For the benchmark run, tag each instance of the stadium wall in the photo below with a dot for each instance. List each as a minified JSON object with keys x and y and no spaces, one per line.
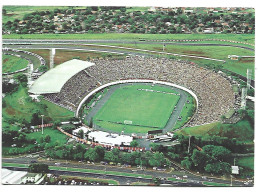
{"x":135,"y":81}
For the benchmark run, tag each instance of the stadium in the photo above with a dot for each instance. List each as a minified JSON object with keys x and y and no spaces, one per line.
{"x":73,"y":84}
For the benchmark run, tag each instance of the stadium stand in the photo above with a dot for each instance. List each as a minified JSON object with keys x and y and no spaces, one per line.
{"x":214,"y":91}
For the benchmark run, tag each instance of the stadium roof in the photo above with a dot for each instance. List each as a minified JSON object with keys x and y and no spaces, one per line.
{"x":53,"y":80}
{"x":110,"y":139}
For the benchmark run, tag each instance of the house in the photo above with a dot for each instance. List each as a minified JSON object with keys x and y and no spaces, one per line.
{"x":208,"y":30}
{"x":188,"y":11}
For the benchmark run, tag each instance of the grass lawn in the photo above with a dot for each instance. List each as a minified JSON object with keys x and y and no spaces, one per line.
{"x":197,"y":130}
{"x":36,"y":62}
{"x":115,"y":127}
{"x":144,"y":108}
{"x":20,"y":106}
{"x":242,"y":130}
{"x":56,"y":112}
{"x":247,"y":38}
{"x":12,"y":63}
{"x":17,"y":12}
{"x":55,"y":134}
{"x":246,"y":162}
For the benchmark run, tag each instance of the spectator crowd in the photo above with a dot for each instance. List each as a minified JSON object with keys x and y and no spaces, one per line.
{"x":214,"y":92}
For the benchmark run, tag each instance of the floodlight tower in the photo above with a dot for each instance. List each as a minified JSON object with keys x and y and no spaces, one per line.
{"x":249,"y":78}
{"x":52,"y":54}
{"x":42,"y":123}
{"x":243,"y":98}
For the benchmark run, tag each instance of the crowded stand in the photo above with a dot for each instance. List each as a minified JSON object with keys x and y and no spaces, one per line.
{"x":214,"y":91}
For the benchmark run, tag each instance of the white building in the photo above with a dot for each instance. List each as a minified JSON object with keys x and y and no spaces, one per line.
{"x":110,"y":139}
{"x":76,"y":131}
{"x":12,"y":177}
{"x":31,"y":178}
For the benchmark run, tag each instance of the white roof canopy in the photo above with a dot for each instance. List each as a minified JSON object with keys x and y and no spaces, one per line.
{"x":53,"y":80}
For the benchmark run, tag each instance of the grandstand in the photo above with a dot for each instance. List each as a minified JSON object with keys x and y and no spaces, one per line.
{"x":53,"y":80}
{"x":213,"y":91}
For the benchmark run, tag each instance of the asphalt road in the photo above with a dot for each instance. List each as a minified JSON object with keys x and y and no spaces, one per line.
{"x":30,"y":41}
{"x":192,"y":180}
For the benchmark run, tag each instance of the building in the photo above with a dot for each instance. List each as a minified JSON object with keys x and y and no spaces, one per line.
{"x":31,"y":178}
{"x":234,"y":57}
{"x":10,"y":177}
{"x":76,"y":131}
{"x":109,"y":138}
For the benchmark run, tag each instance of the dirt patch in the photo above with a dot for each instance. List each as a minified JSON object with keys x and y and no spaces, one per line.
{"x":44,"y":53}
{"x":10,"y":111}
{"x":198,"y":53}
{"x":62,"y":56}
{"x":247,"y":60}
{"x":5,"y":60}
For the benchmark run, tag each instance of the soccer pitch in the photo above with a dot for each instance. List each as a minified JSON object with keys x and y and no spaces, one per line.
{"x":147,"y":107}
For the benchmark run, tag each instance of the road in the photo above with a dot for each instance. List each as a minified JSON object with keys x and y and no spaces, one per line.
{"x":192,"y":180}
{"x":31,"y":41}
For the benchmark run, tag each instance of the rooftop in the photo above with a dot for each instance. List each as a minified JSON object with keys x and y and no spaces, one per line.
{"x":53,"y":80}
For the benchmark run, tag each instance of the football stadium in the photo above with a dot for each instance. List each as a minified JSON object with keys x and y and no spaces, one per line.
{"x":137,"y":94}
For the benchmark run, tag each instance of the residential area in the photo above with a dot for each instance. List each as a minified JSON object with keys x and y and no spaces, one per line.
{"x":154,"y":20}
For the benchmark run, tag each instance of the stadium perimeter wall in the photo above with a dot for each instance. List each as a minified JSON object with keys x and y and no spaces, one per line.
{"x":135,"y":81}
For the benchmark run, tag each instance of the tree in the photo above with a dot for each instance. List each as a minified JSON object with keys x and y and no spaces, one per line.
{"x":47,"y":138}
{"x":157,"y":160}
{"x":199,"y":159}
{"x":173,"y":156}
{"x":4,"y":11}
{"x":38,"y":168}
{"x":81,"y":134}
{"x":186,"y":163}
{"x":22,"y":78}
{"x":91,"y":155}
{"x":43,"y":68}
{"x":100,"y":151}
{"x":218,"y":168}
{"x":134,"y":143}
{"x":216,"y":152}
{"x":36,"y":120}
{"x":110,"y":156}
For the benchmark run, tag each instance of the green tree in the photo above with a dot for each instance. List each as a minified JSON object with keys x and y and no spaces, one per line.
{"x":134,"y":143}
{"x":91,"y":155}
{"x":47,"y":138}
{"x":38,"y":168}
{"x":216,"y":152}
{"x":218,"y":168}
{"x":22,"y":78}
{"x":36,"y":120}
{"x":43,"y":68}
{"x":157,"y":160}
{"x":200,"y":159}
{"x":186,"y":163}
{"x":81,"y":134}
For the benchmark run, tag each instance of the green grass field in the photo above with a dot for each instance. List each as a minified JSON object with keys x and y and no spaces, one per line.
{"x":241,"y":130}
{"x":246,"y":38}
{"x":246,"y":162}
{"x":12,"y":63}
{"x":144,"y":108}
{"x":19,"y":106}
